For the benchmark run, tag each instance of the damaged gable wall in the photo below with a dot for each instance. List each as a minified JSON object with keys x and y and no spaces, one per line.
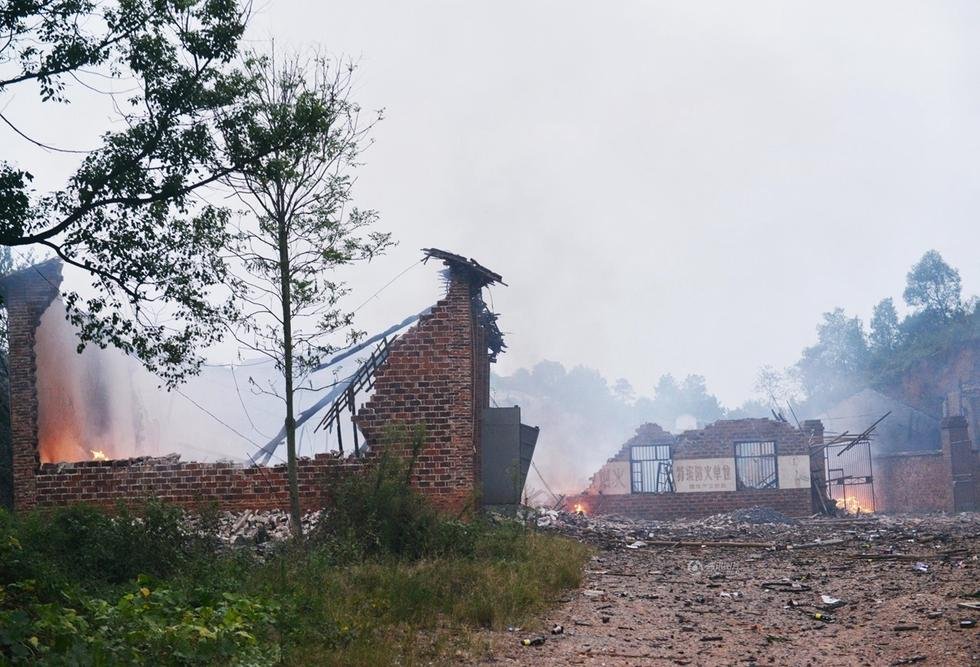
{"x":436,"y":374}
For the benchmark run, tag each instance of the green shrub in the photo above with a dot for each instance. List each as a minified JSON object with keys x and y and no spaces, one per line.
{"x":84,"y":544}
{"x":147,"y":626}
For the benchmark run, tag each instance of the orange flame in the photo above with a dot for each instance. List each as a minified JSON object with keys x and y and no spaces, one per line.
{"x":579,"y":508}
{"x":98,"y":455}
{"x":852,"y":506}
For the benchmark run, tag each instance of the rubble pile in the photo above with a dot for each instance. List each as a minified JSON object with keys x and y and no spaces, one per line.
{"x":752,"y":587}
{"x":251,"y":527}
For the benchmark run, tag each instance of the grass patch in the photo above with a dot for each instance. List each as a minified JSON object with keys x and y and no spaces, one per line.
{"x":384,"y":580}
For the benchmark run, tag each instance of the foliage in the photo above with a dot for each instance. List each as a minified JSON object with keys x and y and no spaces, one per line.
{"x":82,"y":543}
{"x":304,"y":228}
{"x":933,"y":285}
{"x":843,"y":361}
{"x":384,"y":612}
{"x":133,"y":214}
{"x":149,"y":625}
{"x":404,"y":600}
{"x":829,"y":369}
{"x":380,"y":515}
{"x":886,"y":334}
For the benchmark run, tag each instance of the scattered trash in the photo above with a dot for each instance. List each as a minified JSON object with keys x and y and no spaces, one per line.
{"x":909,"y":660}
{"x":968,"y":623}
{"x":557,"y":630}
{"x":536,"y":641}
{"x":905,"y":627}
{"x":921,"y":567}
{"x":785,"y":586}
{"x":831,"y":602}
{"x":823,"y":618}
{"x":711,"y":638}
{"x":636,"y":545}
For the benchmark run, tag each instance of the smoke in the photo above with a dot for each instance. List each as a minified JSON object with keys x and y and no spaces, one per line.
{"x":104,"y":401}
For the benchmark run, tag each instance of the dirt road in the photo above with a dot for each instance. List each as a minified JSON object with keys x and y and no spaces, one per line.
{"x":894,"y":592}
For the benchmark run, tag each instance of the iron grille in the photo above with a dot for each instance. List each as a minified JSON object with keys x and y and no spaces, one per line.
{"x":650,"y":469}
{"x":755,"y":465}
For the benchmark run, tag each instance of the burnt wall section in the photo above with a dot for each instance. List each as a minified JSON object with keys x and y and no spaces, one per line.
{"x":666,"y":506}
{"x":190,"y":485}
{"x":27,"y":294}
{"x":437,"y":375}
{"x":912,"y":482}
{"x":945,"y":480}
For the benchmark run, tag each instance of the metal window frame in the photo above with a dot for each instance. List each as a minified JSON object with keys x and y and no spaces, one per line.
{"x":637,"y":467}
{"x":739,"y":484}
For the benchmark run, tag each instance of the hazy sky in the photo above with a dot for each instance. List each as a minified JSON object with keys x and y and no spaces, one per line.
{"x":666,"y":187}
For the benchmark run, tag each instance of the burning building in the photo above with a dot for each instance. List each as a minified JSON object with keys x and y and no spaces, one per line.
{"x":81,"y":431}
{"x":735,"y":464}
{"x":727,"y":465}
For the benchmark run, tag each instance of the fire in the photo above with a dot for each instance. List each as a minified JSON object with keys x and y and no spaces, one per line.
{"x":98,"y":455}
{"x":852,"y":506}
{"x":579,"y":508}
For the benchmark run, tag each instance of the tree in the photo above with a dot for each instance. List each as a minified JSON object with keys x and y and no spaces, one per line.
{"x":302,"y":229}
{"x":933,"y":286}
{"x":624,"y":391}
{"x":835,"y":365}
{"x":885,"y":332}
{"x":132,"y":214}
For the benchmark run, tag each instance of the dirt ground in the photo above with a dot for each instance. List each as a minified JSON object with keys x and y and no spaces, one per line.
{"x":896,"y":590}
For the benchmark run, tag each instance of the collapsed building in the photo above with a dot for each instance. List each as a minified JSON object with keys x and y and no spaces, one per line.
{"x":799,"y":471}
{"x":67,"y":445}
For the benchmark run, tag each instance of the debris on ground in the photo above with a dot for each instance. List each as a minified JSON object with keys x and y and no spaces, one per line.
{"x":755,"y":587}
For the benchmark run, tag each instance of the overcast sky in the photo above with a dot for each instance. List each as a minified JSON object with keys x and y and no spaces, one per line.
{"x":665,"y":187}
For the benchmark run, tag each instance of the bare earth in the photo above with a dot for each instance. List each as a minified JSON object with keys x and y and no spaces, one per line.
{"x":748,"y":605}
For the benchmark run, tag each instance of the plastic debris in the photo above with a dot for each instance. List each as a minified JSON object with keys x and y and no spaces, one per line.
{"x":830,"y":602}
{"x":557,"y":630}
{"x":921,"y":567}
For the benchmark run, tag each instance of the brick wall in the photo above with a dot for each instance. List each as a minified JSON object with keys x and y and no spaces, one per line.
{"x":913,"y":482}
{"x":189,"y":484}
{"x":718,"y":439}
{"x":436,"y":374}
{"x":27,"y":294}
{"x":662,"y":506}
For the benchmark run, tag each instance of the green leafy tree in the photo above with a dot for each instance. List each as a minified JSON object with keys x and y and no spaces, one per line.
{"x":933,"y":286}
{"x":885,"y":332}
{"x":133,"y":213}
{"x":834,"y":366}
{"x":302,"y":227}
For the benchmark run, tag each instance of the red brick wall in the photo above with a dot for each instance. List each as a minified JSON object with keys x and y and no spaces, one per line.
{"x":718,"y":439}
{"x":27,"y":294}
{"x":188,"y":484}
{"x":791,"y":502}
{"x":436,"y":375}
{"x":913,"y":482}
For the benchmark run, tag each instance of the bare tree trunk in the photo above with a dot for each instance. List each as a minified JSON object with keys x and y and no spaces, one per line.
{"x":295,"y":514}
